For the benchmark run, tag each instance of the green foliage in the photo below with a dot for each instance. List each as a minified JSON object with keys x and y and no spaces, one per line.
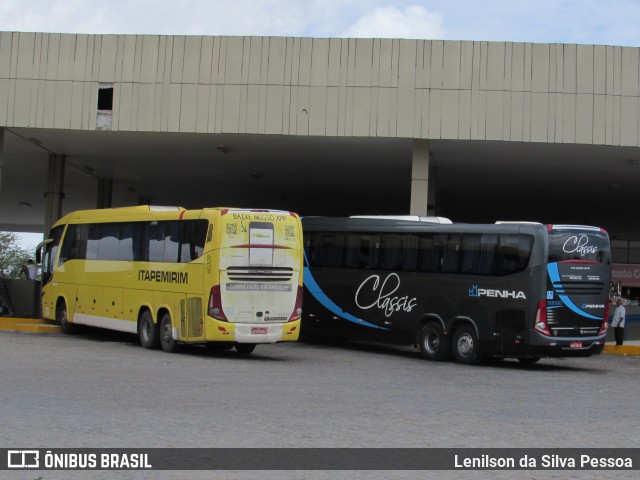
{"x":12,"y":256}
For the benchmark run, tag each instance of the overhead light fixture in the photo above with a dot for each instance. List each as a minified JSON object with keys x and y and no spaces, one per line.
{"x":25,"y":204}
{"x":223,"y":148}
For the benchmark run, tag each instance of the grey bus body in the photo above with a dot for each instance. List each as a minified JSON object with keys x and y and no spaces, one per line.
{"x":520,"y":290}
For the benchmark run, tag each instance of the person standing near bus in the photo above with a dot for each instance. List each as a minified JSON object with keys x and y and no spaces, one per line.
{"x":29,"y":270}
{"x":618,"y":321}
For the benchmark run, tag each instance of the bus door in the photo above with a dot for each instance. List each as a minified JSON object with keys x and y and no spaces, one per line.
{"x":578,"y":273}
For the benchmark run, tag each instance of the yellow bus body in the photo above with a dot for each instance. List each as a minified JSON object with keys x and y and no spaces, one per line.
{"x":245,"y":286}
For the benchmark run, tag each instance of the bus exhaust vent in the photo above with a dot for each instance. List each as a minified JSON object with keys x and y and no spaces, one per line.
{"x":260,"y":274}
{"x":510,"y":328}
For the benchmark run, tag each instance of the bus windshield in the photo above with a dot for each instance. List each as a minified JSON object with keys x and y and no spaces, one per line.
{"x":579,"y":243}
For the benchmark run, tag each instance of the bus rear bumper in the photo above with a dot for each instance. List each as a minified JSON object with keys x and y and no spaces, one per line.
{"x":219,"y":331}
{"x":566,"y":346}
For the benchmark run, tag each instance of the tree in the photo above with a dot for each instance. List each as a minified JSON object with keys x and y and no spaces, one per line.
{"x":12,"y":256}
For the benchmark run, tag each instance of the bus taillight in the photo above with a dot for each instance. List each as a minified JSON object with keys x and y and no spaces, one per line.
{"x":541,"y":319}
{"x":297,"y":310}
{"x":605,"y":320}
{"x":215,"y":304}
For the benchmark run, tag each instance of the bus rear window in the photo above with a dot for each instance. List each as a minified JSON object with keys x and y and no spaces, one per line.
{"x":576,"y":244}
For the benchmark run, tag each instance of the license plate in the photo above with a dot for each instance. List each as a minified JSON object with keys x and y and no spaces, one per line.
{"x":258,"y":330}
{"x":575,"y":345}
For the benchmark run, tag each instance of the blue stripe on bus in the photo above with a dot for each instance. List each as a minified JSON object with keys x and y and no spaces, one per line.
{"x":554,"y":274}
{"x":315,"y":290}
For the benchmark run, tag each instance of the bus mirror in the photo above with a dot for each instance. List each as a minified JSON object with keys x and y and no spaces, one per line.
{"x":39,"y":249}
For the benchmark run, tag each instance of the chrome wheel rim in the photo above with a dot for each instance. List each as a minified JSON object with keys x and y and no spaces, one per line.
{"x":465,"y":344}
{"x":432,"y":342}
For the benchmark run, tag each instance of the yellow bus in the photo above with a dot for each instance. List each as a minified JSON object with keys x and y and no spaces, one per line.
{"x":218,"y":276}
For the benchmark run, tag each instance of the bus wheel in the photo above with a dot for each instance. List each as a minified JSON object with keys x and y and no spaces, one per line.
{"x":166,"y":335}
{"x":434,"y":345}
{"x":148,"y":331}
{"x":465,"y":345}
{"x":245,"y":348}
{"x":528,"y":360}
{"x":61,"y":316}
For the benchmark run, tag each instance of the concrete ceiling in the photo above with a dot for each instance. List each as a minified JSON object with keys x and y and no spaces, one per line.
{"x":477,"y":181}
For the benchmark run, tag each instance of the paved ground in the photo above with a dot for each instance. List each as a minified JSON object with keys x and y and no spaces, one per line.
{"x":101,"y":389}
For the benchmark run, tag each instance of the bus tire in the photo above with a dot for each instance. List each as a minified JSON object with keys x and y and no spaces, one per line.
{"x":167,"y":342}
{"x":245,"y":348}
{"x":61,"y":316}
{"x":465,"y":345}
{"x":148,"y":331}
{"x":434,"y":344}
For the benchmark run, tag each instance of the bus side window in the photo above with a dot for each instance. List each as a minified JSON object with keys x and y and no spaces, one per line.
{"x":479,"y":254}
{"x":430,"y":252}
{"x":126,"y":244}
{"x":199,"y":235}
{"x":93,"y":239}
{"x":194,"y":233}
{"x":391,"y":252}
{"x":514,"y":253}
{"x":331,"y":250}
{"x":108,"y":243}
{"x":171,"y":241}
{"x":409,"y":258}
{"x":362,"y":251}
{"x":353,"y":257}
{"x":68,"y":247}
{"x":156,"y":242}
{"x":451,"y":255}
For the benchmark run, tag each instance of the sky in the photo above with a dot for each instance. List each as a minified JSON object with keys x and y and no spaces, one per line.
{"x":608,"y":22}
{"x":603,"y":22}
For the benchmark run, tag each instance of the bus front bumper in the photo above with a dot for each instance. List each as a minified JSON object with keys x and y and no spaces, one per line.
{"x":219,"y":331}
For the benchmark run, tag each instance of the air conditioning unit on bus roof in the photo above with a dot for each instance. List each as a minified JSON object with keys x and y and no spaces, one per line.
{"x":412,"y":218}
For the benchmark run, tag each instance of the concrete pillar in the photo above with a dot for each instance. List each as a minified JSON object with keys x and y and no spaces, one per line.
{"x":1,"y":153}
{"x":54,"y":194}
{"x":105,"y":193}
{"x":422,"y":180}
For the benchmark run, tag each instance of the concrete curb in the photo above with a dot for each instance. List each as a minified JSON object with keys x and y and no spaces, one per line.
{"x":31,"y":325}
{"x":622,"y":349}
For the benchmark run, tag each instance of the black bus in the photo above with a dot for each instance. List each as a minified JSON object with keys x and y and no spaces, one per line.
{"x":504,"y":290}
